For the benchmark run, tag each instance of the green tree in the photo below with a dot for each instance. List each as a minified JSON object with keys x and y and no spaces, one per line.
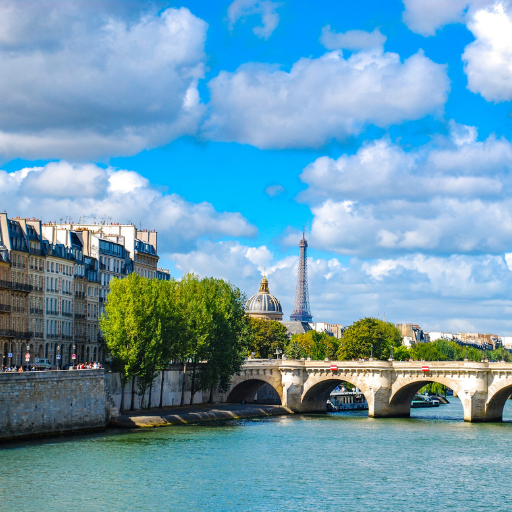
{"x":358,"y":339}
{"x":427,"y":352}
{"x":226,"y":336}
{"x":402,"y":353}
{"x":267,"y":336}
{"x":314,"y":344}
{"x":137,"y":329}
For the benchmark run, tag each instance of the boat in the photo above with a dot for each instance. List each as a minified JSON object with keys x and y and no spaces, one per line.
{"x":420,"y":401}
{"x":347,"y":401}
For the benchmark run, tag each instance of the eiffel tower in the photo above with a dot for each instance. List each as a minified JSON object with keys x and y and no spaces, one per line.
{"x":301,"y":311}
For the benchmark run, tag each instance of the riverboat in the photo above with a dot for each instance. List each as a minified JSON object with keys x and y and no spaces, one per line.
{"x":347,"y":401}
{"x":420,"y":401}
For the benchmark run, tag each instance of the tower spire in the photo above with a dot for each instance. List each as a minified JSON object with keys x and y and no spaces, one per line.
{"x":301,"y":311}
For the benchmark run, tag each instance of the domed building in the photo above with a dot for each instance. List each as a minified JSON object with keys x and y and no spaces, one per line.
{"x":264,"y":304}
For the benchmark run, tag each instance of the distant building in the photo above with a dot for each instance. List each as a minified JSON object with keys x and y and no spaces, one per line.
{"x":412,"y":333}
{"x":263,"y":304}
{"x":485,"y":340}
{"x":438,"y":335}
{"x":296,"y":327}
{"x":335,"y":330}
{"x":506,"y":342}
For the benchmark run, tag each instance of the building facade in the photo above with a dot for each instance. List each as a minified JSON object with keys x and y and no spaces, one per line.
{"x":54,"y":282}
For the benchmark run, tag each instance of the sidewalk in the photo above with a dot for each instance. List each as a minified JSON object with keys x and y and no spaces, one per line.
{"x":197,"y":413}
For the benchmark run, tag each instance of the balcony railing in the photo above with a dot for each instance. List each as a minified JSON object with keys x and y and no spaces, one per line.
{"x":5,"y":308}
{"x":10,"y":333}
{"x":51,"y":312}
{"x":80,"y":315}
{"x":80,"y":295}
{"x":38,"y":335}
{"x":36,"y":252}
{"x":36,"y":311}
{"x":65,"y":313}
{"x":22,"y":287}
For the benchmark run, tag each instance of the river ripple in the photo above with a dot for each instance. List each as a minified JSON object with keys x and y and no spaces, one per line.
{"x":433,"y":461}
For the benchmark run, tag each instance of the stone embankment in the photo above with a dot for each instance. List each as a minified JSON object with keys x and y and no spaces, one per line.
{"x":195,"y":414}
{"x":48,"y":403}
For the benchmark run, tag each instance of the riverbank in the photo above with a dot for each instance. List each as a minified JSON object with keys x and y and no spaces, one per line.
{"x":189,"y":414}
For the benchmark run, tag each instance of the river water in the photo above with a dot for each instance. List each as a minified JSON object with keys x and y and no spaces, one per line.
{"x":345,"y":461}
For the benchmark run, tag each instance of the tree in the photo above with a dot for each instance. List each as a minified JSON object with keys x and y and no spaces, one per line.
{"x":267,"y":336}
{"x":358,"y":339}
{"x":138,"y":328}
{"x":227,"y":334}
{"x":427,"y":352}
{"x":402,"y":353}
{"x":314,"y":344}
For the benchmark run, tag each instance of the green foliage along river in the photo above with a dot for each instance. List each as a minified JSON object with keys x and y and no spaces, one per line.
{"x":433,"y":461}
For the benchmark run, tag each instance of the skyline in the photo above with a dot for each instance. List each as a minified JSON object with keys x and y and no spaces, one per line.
{"x":386,"y":129}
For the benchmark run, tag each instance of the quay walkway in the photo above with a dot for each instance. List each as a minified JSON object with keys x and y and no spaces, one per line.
{"x":197,"y":413}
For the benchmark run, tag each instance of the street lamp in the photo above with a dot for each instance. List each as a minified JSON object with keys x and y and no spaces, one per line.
{"x":58,"y":356}
{"x":371,"y":352}
{"x":74,"y":355}
{"x":278,"y":352}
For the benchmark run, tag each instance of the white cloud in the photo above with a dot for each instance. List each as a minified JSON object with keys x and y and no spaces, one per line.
{"x":352,"y":39}
{"x":241,"y":9}
{"x":88,"y":191}
{"x":103,"y":79}
{"x":426,"y":16}
{"x":322,"y":99}
{"x":448,"y":293}
{"x":488,"y":60}
{"x":274,"y":190}
{"x":449,"y":196}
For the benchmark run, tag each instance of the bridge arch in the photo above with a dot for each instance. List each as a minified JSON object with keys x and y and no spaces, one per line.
{"x":405,"y":388}
{"x":245,"y":385}
{"x":497,"y":398}
{"x":318,"y":388}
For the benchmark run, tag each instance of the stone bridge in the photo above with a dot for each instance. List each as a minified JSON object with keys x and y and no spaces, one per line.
{"x":389,"y":386}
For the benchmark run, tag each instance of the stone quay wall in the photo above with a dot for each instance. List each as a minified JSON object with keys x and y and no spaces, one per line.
{"x":171,"y":390}
{"x":53,"y":402}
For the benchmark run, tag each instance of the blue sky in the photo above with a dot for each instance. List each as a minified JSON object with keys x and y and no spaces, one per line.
{"x":385,"y":128}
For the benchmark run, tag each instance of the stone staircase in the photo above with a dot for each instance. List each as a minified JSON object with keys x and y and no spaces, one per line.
{"x":111,"y":409}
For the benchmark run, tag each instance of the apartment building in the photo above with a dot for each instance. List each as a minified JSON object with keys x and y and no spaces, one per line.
{"x":36,"y":270}
{"x":141,"y":245}
{"x":54,"y":282}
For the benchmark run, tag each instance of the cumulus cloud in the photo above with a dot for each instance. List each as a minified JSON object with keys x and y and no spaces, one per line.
{"x":87,"y":191}
{"x":488,"y":60}
{"x":451,"y":196}
{"x":447,"y":293}
{"x":104,"y":79}
{"x":241,"y":9}
{"x":352,"y":39}
{"x":322,"y":99}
